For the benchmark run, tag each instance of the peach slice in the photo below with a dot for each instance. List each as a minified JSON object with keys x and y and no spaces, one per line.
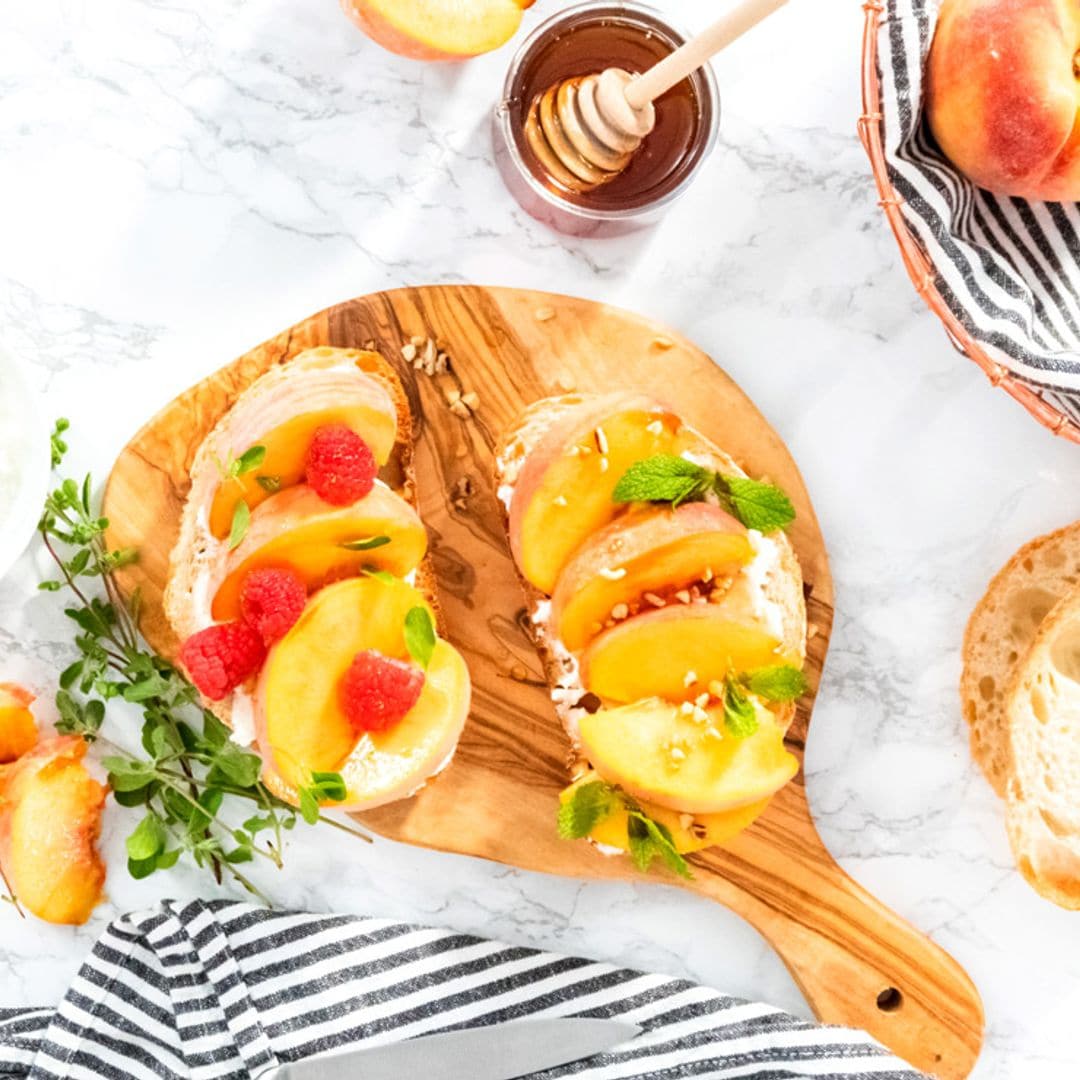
{"x":50,"y":819}
{"x":296,"y":529}
{"x":656,"y":752}
{"x":562,"y":495}
{"x":674,"y":653}
{"x":437,"y":29}
{"x":706,"y":830}
{"x":18,"y":732}
{"x":301,"y":726}
{"x":373,"y":419}
{"x":646,"y":550}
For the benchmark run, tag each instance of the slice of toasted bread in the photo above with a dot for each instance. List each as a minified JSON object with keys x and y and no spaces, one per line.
{"x":268,"y":400}
{"x":999,"y":632}
{"x":1042,"y":708}
{"x":780,"y":585}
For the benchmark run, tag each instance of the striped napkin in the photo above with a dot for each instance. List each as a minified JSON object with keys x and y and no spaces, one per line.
{"x":1008,"y":269}
{"x":224,"y":989}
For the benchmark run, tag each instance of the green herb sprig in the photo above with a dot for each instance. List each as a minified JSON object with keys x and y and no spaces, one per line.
{"x":669,"y":479}
{"x":779,"y":682}
{"x":647,"y":839}
{"x":191,"y":781}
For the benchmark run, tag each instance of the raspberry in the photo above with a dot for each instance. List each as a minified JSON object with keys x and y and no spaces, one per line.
{"x":340,"y":465}
{"x":377,"y":691}
{"x":271,"y":600}
{"x":219,"y":658}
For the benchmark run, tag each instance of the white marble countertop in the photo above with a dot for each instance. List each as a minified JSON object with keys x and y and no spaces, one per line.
{"x":179,"y":180}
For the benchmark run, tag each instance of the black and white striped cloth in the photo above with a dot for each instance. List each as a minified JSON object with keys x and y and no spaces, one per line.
{"x":224,"y":989}
{"x":1007,"y":268}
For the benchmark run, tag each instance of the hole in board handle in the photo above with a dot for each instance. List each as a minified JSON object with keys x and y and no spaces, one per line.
{"x":890,"y":999}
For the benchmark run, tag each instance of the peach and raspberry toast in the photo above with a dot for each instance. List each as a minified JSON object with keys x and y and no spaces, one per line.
{"x":301,"y":589}
{"x":667,"y":605}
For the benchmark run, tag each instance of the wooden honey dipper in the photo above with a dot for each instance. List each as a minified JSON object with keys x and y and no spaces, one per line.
{"x":585,"y":130}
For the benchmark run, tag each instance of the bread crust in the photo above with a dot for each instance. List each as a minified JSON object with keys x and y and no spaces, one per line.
{"x":517,"y":443}
{"x":999,"y":632}
{"x":196,"y":552}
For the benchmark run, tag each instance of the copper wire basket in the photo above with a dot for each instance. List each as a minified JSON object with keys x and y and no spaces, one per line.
{"x":918,"y":265}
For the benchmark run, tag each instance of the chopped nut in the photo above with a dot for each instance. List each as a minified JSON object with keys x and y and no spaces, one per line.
{"x":686,"y":820}
{"x":612,"y":574}
{"x":677,"y":753}
{"x":601,"y":440}
{"x":662,"y":341}
{"x":656,"y":601}
{"x":701,"y":700}
{"x":716,"y":688}
{"x":573,"y":451}
{"x":472,"y":399}
{"x":708,"y":575}
{"x":620,"y":611}
{"x":409,"y":352}
{"x":452,"y":396}
{"x":683,"y":596}
{"x":689,"y":678}
{"x":686,"y":708}
{"x":700,"y":715}
{"x":560,"y":500}
{"x":717,"y":595}
{"x":655,"y":428}
{"x":545,"y":314}
{"x":459,"y":408}
{"x":417,"y":340}
{"x":713,"y":733}
{"x":604,"y":464}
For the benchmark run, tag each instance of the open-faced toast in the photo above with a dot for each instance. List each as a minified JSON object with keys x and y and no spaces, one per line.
{"x":359,"y":562}
{"x":651,"y":618}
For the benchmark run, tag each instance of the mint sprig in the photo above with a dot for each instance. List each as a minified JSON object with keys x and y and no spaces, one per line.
{"x":241,"y":520}
{"x":781,"y":682}
{"x":646,"y":839}
{"x":740,"y":716}
{"x":667,"y":478}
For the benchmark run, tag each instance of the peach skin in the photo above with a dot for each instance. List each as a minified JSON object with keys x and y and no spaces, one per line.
{"x":437,"y":29}
{"x":1003,"y":94}
{"x":50,"y":819}
{"x":18,"y":732}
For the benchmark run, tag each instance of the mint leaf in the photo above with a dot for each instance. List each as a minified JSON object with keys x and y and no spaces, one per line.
{"x":147,"y":839}
{"x":586,"y":808}
{"x":241,"y":519}
{"x":309,"y":806}
{"x":269,"y":484}
{"x":128,"y":774}
{"x":380,"y":575}
{"x":758,"y":506}
{"x":779,"y":683}
{"x":420,"y":635}
{"x":248,"y":461}
{"x":366,"y":543}
{"x":642,"y":848}
{"x":740,"y":716}
{"x":662,"y":478}
{"x":659,"y":838}
{"x":329,"y":786}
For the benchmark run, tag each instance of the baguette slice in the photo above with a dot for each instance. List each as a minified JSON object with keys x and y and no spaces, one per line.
{"x":1042,"y":708}
{"x":780,"y":584}
{"x":999,"y":632}
{"x":315,"y":379}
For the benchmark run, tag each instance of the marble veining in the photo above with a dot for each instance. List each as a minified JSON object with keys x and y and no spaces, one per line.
{"x":180,"y":179}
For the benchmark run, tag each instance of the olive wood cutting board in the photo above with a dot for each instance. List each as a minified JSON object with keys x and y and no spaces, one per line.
{"x":856,"y":961}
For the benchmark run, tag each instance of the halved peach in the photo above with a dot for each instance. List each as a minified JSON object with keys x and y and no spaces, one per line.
{"x":656,"y":752}
{"x":706,"y":830}
{"x":300,"y":723}
{"x":674,"y":652}
{"x":437,"y":29}
{"x":643,"y":551}
{"x":370,"y":414}
{"x":18,"y":732}
{"x":50,"y":818}
{"x":562,"y":495}
{"x":296,"y":529}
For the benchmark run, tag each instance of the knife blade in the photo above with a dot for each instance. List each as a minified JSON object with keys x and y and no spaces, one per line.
{"x":497,"y":1052}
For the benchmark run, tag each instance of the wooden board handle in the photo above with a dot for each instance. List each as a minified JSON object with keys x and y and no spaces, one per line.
{"x":858,"y":963}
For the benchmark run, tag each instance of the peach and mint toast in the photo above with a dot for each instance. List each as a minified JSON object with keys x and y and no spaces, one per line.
{"x":301,"y":590}
{"x":667,"y":604}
